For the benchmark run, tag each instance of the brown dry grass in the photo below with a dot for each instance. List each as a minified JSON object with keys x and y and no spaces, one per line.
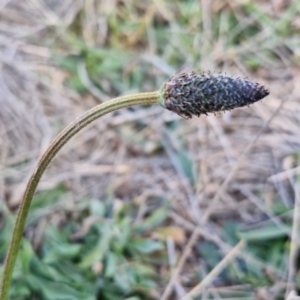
{"x":138,"y":163}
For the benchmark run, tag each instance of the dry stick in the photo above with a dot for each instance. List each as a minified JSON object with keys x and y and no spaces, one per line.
{"x":215,"y":271}
{"x":285,"y":174}
{"x":210,"y":209}
{"x":294,"y":243}
{"x":91,"y":115}
{"x":180,"y":265}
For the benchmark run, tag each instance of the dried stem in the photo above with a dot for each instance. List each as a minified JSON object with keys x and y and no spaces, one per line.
{"x":215,"y":271}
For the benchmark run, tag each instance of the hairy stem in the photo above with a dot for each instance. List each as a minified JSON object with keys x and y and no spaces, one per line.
{"x":56,"y":145}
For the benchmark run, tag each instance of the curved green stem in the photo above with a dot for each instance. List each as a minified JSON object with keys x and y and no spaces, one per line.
{"x":56,"y":145}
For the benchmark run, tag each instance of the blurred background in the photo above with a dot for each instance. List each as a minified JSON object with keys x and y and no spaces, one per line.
{"x":143,"y":204}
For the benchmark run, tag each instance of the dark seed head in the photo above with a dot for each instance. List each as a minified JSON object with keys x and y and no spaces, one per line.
{"x":190,"y":94}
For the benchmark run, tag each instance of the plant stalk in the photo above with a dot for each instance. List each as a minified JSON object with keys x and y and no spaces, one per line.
{"x":56,"y":145}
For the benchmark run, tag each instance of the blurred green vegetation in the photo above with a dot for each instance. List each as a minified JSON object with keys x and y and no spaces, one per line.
{"x":117,"y":66}
{"x":103,"y":252}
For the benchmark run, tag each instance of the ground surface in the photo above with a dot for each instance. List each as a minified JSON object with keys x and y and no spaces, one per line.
{"x":143,"y":204}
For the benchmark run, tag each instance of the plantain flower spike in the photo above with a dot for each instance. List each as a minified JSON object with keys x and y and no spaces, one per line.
{"x":194,"y":93}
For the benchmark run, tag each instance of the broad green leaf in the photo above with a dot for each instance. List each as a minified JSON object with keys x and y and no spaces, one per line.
{"x":95,"y":255}
{"x":98,"y":252}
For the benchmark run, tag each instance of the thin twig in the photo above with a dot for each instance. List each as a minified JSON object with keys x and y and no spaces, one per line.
{"x":284,"y":175}
{"x":215,"y":271}
{"x":180,"y":265}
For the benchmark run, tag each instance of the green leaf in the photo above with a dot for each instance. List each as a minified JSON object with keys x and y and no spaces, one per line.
{"x":154,"y":220}
{"x":25,"y":255}
{"x":187,"y":165}
{"x":265,"y":233}
{"x":122,"y":234}
{"x":6,"y":230}
{"x":111,"y":265}
{"x":146,"y":246}
{"x":95,"y":255}
{"x":210,"y":253}
{"x":143,"y":270}
{"x":60,"y":251}
{"x":56,"y":290}
{"x":97,"y":208}
{"x":45,"y":204}
{"x":98,"y":252}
